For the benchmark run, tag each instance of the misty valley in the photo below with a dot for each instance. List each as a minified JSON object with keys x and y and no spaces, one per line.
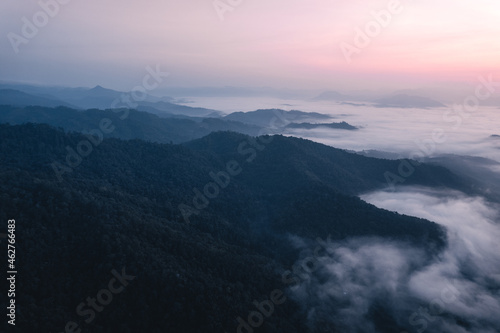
{"x":231,"y":166}
{"x":318,"y":215}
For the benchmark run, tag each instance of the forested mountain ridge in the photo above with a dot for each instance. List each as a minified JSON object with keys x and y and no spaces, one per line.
{"x":311,"y":162}
{"x":16,"y":97}
{"x":127,"y":123}
{"x":120,"y":208}
{"x":146,"y":124}
{"x":275,"y":117}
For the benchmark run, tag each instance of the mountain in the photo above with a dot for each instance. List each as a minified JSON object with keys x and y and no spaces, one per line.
{"x":83,"y":98}
{"x":408,"y":101}
{"x":379,"y":154}
{"x":148,"y":127}
{"x":19,"y":98}
{"x":121,"y":207}
{"x":341,"y":125}
{"x":274,"y":117}
{"x":126,"y":124}
{"x":38,"y":90}
{"x":99,"y":98}
{"x":477,"y":170}
{"x":308,"y":163}
{"x":399,"y":99}
{"x":102,"y":98}
{"x":167,"y":109}
{"x":332,"y":96}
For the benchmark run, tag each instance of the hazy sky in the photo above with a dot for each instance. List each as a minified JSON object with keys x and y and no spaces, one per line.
{"x":279,"y":43}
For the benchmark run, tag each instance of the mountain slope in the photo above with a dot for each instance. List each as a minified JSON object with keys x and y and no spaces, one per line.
{"x":97,"y":97}
{"x":275,"y":117}
{"x":167,"y":109}
{"x":408,"y":101}
{"x":119,"y":208}
{"x":19,"y":98}
{"x":306,"y":161}
{"x":126,"y":124}
{"x":342,"y":125}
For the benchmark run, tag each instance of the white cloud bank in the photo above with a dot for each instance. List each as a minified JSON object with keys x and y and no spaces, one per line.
{"x":372,"y":285}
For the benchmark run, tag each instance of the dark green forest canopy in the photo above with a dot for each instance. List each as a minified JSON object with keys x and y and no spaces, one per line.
{"x":120,"y":208}
{"x":125,"y":123}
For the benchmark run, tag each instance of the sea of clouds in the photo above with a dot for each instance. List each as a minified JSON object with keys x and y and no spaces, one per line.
{"x":362,"y":280}
{"x":375,"y":285}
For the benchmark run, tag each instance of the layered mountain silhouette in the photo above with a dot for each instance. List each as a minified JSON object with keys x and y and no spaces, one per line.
{"x":397,"y":99}
{"x":128,"y":124}
{"x":408,"y":101}
{"x":201,"y":208}
{"x":19,"y":98}
{"x":126,"y":204}
{"x":341,"y":125}
{"x":271,"y":118}
{"x":133,"y":124}
{"x":98,"y":98}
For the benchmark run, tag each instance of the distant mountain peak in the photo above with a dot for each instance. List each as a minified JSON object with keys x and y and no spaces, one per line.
{"x":331,"y":95}
{"x":99,"y":88}
{"x":408,"y":101}
{"x":342,"y":125}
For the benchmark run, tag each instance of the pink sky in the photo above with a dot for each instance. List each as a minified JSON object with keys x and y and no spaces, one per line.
{"x":283,"y":44}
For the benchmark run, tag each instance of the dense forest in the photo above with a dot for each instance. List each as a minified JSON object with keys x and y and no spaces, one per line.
{"x":204,"y":227}
{"x":126,"y":123}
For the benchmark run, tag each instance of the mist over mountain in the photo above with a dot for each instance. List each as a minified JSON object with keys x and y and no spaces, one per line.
{"x":236,"y":91}
{"x":399,"y":99}
{"x":341,"y":125}
{"x":19,"y":98}
{"x":212,"y":218}
{"x":233,"y":166}
{"x":482,"y":172}
{"x":127,"y":124}
{"x":124,"y":204}
{"x":97,"y":97}
{"x":333,"y":96}
{"x":167,"y":109}
{"x":407,"y":101}
{"x":275,"y":117}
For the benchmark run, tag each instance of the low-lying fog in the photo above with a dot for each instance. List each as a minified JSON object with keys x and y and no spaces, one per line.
{"x":456,"y":291}
{"x":398,"y":130}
